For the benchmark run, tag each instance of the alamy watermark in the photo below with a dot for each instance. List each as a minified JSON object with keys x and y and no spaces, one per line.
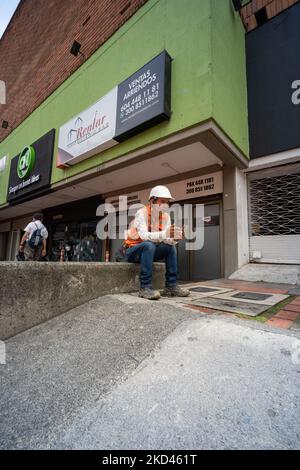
{"x":296,"y":94}
{"x":189,"y":217}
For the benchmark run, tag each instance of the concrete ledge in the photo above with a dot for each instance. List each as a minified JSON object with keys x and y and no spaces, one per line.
{"x":31,"y":292}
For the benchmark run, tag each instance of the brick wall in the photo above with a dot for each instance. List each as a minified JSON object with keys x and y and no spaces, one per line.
{"x":273,"y":8}
{"x":34,"y":50}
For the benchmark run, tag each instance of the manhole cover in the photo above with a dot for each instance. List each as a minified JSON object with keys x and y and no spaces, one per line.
{"x":251,"y":296}
{"x":203,"y":289}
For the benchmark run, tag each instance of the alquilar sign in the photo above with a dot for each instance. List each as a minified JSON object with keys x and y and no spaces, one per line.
{"x":30,"y":170}
{"x":138,"y":103}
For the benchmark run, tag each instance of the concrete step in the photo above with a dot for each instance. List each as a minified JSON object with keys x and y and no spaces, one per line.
{"x":277,"y":273}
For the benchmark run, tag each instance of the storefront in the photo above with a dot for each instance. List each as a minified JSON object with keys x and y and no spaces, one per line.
{"x":206,"y":190}
{"x":29,"y":179}
{"x":162,"y":115}
{"x":72,"y":231}
{"x":138,"y":103}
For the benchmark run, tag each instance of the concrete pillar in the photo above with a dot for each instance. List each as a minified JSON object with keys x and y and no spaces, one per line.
{"x":235,"y":234}
{"x":242,"y":217}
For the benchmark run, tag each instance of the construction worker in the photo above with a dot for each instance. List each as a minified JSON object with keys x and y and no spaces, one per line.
{"x":151,"y":237}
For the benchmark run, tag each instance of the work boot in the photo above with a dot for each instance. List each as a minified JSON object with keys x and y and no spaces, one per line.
{"x":175,"y":291}
{"x":149,"y":294}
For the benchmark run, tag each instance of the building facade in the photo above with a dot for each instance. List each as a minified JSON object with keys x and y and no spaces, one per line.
{"x":273,"y":75}
{"x":157,"y":95}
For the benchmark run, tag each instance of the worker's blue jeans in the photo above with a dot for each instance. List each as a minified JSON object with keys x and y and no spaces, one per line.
{"x":147,"y":252}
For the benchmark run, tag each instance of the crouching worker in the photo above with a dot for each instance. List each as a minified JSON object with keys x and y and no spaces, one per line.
{"x":33,"y":243}
{"x":151,"y":237}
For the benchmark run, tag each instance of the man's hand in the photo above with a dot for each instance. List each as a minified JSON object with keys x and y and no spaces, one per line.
{"x":175,"y":232}
{"x":21,"y":248}
{"x":43,"y":252}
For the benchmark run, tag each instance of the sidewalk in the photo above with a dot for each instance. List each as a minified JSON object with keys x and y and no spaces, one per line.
{"x":121,"y":372}
{"x":277,"y":305}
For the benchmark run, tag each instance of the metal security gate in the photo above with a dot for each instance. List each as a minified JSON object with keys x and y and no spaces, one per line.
{"x":274,"y":215}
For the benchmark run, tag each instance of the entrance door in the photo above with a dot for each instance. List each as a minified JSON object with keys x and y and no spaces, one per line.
{"x":205,"y":263}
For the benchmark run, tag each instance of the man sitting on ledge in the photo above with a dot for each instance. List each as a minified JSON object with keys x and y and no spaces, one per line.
{"x":151,"y":237}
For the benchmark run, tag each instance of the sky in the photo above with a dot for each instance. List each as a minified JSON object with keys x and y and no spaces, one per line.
{"x":7,"y":9}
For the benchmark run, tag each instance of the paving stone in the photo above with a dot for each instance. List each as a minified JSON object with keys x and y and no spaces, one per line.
{"x":279,"y":323}
{"x":251,"y":296}
{"x":272,"y":299}
{"x":251,"y":309}
{"x":292,"y":308}
{"x":206,"y":291}
{"x":286,"y":315}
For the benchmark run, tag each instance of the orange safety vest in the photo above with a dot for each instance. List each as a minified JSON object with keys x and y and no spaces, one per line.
{"x":133,"y":237}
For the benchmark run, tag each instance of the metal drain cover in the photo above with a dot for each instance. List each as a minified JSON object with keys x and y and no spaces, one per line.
{"x":203,"y":289}
{"x":251,"y":296}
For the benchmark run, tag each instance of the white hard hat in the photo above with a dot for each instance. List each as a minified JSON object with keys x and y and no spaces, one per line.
{"x":160,"y":191}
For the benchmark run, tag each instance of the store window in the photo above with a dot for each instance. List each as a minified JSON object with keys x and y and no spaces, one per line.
{"x":75,"y":242}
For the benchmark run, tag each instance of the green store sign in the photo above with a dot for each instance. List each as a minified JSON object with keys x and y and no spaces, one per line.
{"x":26,"y":162}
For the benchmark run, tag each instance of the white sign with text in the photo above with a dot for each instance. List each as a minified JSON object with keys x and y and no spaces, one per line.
{"x":89,"y":132}
{"x":204,"y":185}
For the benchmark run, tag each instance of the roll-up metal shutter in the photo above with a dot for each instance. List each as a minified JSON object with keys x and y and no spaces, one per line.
{"x":274,"y":215}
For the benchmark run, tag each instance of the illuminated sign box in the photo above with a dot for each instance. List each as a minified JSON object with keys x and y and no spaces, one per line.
{"x":144,"y":99}
{"x":138,"y":103}
{"x":90,"y":132}
{"x":30,"y":170}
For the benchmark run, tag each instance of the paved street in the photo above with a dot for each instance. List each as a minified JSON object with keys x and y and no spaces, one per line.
{"x":116,"y":374}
